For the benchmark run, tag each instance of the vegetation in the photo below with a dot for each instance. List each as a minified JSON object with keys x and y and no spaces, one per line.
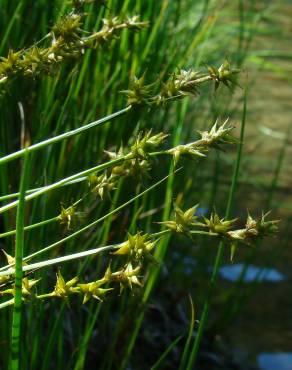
{"x":115,"y":122}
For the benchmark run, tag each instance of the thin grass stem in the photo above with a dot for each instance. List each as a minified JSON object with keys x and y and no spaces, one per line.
{"x":19,"y":243}
{"x":59,"y":260}
{"x":69,"y":237}
{"x":63,"y":136}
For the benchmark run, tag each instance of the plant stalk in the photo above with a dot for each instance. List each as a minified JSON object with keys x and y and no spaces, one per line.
{"x":220,"y":252}
{"x":17,"y":310}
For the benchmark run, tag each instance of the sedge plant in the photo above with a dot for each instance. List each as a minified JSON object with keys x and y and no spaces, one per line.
{"x":93,"y":265}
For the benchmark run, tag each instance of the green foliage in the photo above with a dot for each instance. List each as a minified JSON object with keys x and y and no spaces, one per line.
{"x":115,"y":175}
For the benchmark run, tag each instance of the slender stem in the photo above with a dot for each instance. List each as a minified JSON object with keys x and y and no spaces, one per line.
{"x":103,"y":33}
{"x":208,"y":233}
{"x":160,"y":233}
{"x":219,"y":255}
{"x":94,"y":222}
{"x":29,"y":191}
{"x":42,"y":296}
{"x":58,"y":260}
{"x":278,"y":168}
{"x":62,"y":182}
{"x":51,"y":246}
{"x":199,"y":81}
{"x":63,"y":136}
{"x":38,"y":265}
{"x":80,"y":176}
{"x":30,"y":227}
{"x":7,"y":303}
{"x":45,"y":222}
{"x":17,"y":311}
{"x":79,"y":179}
{"x":74,"y":178}
{"x":184,"y":356}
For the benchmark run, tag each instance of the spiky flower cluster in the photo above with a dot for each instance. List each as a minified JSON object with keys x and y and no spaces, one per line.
{"x":125,"y":277}
{"x":137,"y":247}
{"x":65,"y":289}
{"x":217,"y":225}
{"x":66,"y":216}
{"x":136,"y":162}
{"x":187,"y":222}
{"x":27,"y":288}
{"x":146,"y":142}
{"x":4,"y":280}
{"x":183,"y":221}
{"x":254,"y":228}
{"x":111,"y":30}
{"x":185,"y":82}
{"x":214,"y":138}
{"x":138,"y":92}
{"x":66,"y":42}
{"x":224,"y":74}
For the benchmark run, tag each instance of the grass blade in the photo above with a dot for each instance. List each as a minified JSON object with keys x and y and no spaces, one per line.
{"x":17,"y":310}
{"x":159,"y":363}
{"x":63,"y":136}
{"x":188,"y":341}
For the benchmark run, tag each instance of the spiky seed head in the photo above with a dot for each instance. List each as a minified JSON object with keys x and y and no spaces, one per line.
{"x":93,"y":290}
{"x":137,"y":246}
{"x":218,"y":225}
{"x":183,"y":220}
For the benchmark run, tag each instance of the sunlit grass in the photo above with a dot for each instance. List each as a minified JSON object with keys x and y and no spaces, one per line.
{"x":66,"y":113}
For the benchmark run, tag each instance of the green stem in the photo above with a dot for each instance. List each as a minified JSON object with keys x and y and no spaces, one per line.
{"x":58,"y":260}
{"x":278,"y":168}
{"x":17,"y":310}
{"x":74,"y":181}
{"x":199,"y":232}
{"x":80,"y":176}
{"x":30,"y":227}
{"x":66,"y":135}
{"x":62,"y":182}
{"x":74,"y":178}
{"x":220,"y":252}
{"x":184,"y":356}
{"x":94,"y":222}
{"x":43,"y":223}
{"x":160,"y":233}
{"x":29,"y":191}
{"x":7,"y":303}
